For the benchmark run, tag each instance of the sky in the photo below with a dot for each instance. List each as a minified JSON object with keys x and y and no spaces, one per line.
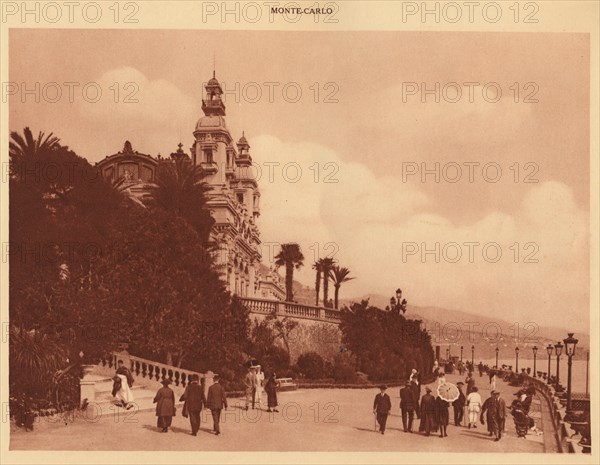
{"x":340,"y":165}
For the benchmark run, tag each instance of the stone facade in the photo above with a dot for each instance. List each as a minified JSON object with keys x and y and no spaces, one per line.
{"x":233,"y":199}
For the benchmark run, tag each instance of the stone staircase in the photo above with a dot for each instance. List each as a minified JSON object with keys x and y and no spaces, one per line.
{"x":147,"y":375}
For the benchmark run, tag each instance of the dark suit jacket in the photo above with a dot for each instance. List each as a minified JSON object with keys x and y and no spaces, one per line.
{"x":407,"y":398}
{"x":382,"y":403}
{"x":216,"y":398}
{"x":193,"y":397}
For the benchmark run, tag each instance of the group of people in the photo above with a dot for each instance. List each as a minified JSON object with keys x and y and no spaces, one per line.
{"x":433,"y":411}
{"x":254,"y":383}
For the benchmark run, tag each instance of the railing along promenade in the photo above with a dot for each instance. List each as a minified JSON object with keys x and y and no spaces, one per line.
{"x":281,"y":308}
{"x":568,"y":434}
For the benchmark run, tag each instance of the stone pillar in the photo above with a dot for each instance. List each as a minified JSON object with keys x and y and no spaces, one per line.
{"x":87,"y":385}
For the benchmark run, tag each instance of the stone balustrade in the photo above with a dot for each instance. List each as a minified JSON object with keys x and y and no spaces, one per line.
{"x":281,"y":308}
{"x":150,"y":370}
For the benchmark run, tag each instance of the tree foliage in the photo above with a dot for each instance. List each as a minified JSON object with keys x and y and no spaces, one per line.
{"x":386,"y":345}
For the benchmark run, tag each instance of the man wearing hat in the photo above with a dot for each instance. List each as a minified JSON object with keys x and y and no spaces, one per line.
{"x":459,"y":405}
{"x":216,"y":400}
{"x":407,"y":405}
{"x":165,"y":406}
{"x":495,"y":410}
{"x":381,"y":407}
{"x":194,"y":402}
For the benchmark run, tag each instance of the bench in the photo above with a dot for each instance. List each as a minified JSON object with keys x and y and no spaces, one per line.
{"x":287,"y":384}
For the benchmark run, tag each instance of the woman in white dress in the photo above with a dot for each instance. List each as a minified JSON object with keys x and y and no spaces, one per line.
{"x":473,"y":407}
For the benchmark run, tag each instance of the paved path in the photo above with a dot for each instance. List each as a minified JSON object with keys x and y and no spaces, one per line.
{"x":309,"y":420}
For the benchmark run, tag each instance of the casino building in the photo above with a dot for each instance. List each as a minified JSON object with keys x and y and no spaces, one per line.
{"x":233,"y":198}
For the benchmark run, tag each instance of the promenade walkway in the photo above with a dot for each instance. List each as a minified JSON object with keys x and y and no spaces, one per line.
{"x":308,"y":420}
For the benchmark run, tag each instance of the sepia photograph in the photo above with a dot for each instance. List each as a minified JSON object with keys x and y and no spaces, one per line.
{"x":334,"y":230}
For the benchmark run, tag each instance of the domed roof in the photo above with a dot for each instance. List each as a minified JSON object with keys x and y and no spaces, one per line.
{"x":211,"y":121}
{"x":213,"y":82}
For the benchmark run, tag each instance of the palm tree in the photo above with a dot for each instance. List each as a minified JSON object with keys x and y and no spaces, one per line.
{"x":339,"y":275}
{"x":291,"y":257}
{"x":25,"y":148}
{"x":179,"y":189}
{"x":317,"y":266}
{"x":326,"y":264}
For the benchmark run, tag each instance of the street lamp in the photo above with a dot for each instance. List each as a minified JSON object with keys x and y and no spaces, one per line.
{"x":559,"y":347}
{"x":473,"y":356}
{"x":517,"y":359}
{"x":497,"y":350}
{"x":461,"y":352}
{"x":570,"y":343}
{"x":549,"y":349}
{"x":535,"y":349}
{"x":397,"y":304}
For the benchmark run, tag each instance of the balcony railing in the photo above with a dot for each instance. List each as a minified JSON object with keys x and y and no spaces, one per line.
{"x":281,"y":308}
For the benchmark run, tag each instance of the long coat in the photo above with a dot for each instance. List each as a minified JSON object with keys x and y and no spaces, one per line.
{"x":442,"y":411}
{"x":165,"y":402}
{"x":193,"y":397}
{"x":495,"y":412}
{"x":382,"y":403}
{"x":271,"y":390}
{"x":428,"y":413}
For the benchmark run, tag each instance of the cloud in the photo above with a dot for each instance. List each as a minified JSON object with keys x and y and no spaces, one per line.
{"x":543,"y":241}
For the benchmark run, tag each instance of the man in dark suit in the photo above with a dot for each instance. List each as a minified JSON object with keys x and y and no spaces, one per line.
{"x":407,"y":405}
{"x":194,"y":402}
{"x":381,"y":407}
{"x":459,"y":405}
{"x":216,"y":400}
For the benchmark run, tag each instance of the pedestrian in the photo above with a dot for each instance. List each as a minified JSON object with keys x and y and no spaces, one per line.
{"x":194,"y":401}
{"x":407,"y":406}
{"x":381,"y":407}
{"x":428,"y":421}
{"x":495,"y":409}
{"x":480,"y":368}
{"x":271,"y":390}
{"x":123,"y":381}
{"x":442,"y":415}
{"x":165,"y":406}
{"x":258,"y":390}
{"x":470,"y":380}
{"x":441,"y":378}
{"x":216,"y":400}
{"x":250,"y":384}
{"x":416,"y":388}
{"x":473,"y":407}
{"x":492,"y":375}
{"x":459,"y":405}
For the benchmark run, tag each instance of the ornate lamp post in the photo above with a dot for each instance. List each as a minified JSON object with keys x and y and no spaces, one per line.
{"x":558,"y":347}
{"x":517,"y":359}
{"x":473,"y":356}
{"x":397,"y":304}
{"x":497,"y":350}
{"x":461,"y":353}
{"x":549,"y":349}
{"x":535,"y":349}
{"x":570,"y":343}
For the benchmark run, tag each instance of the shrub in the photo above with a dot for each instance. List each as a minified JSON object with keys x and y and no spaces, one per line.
{"x":344,"y":368}
{"x":312,"y":366}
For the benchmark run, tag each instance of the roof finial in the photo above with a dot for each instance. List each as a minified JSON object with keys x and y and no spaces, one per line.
{"x":214,"y":64}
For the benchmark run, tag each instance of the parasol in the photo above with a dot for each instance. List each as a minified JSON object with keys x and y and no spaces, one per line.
{"x":448,"y":391}
{"x":252,"y":363}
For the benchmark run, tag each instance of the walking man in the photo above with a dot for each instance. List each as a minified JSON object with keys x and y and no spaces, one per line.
{"x":495,"y":410}
{"x":250,"y":385}
{"x":459,"y":405}
{"x":381,"y":407}
{"x":407,"y":405}
{"x":216,"y":400}
{"x":194,"y":402}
